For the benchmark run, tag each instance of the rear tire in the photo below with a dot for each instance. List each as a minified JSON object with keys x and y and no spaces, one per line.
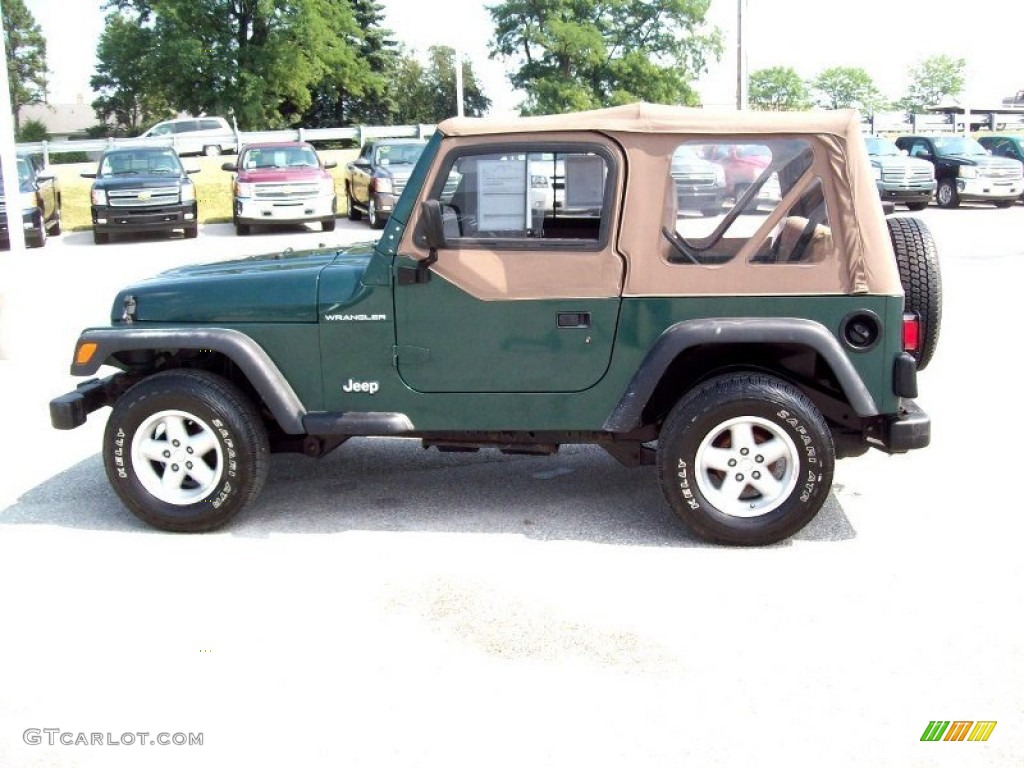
{"x":918,"y":263}
{"x":242,"y":230}
{"x":745,"y":459}
{"x":185,"y":450}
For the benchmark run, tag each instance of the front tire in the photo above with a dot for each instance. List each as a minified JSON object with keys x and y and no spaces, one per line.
{"x":328,"y":224}
{"x":745,"y":459}
{"x":185,"y":450}
{"x":211,"y":150}
{"x":191,"y":232}
{"x":100,"y":238}
{"x":916,"y":206}
{"x":242,"y":230}
{"x":1004,"y":203}
{"x":946,"y":195}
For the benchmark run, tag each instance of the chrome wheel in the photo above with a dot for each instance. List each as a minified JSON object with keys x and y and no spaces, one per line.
{"x":177,"y":457}
{"x":747,"y":466}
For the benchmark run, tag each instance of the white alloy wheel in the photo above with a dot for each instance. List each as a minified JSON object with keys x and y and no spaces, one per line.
{"x":747,"y":466}
{"x":177,"y":457}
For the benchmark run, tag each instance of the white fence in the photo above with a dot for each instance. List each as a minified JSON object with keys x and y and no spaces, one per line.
{"x":896,"y":122}
{"x":359,"y":134}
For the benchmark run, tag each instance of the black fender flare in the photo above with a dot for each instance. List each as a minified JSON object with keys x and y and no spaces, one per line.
{"x":677,"y":338}
{"x":264,"y":375}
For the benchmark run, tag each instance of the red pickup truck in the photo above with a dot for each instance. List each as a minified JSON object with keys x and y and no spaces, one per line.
{"x":282,"y":183}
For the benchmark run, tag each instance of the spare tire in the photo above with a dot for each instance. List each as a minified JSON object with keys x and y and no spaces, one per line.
{"x":918,"y":263}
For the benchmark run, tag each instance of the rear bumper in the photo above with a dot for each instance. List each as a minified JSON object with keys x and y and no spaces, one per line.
{"x":907,"y":431}
{"x":32,"y":223}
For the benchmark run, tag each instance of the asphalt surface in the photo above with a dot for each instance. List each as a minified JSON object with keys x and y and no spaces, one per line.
{"x":390,"y":606}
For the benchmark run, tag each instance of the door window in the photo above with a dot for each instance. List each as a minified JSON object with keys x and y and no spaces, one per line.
{"x":516,"y":197}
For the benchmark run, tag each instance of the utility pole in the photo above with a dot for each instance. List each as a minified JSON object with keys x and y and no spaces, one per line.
{"x":8,"y":157}
{"x":459,"y":98}
{"x":741,"y":59}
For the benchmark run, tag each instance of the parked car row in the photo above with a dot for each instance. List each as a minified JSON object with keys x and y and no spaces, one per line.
{"x":953,"y":169}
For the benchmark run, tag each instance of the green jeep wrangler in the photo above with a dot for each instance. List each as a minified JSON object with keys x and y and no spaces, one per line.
{"x":741,"y":353}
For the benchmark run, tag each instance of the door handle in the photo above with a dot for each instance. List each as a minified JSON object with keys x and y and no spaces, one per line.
{"x":573,"y":319}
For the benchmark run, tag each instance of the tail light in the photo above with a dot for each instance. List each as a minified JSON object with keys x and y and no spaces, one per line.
{"x":911,"y":332}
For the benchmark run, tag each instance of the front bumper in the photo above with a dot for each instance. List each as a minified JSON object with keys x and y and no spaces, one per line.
{"x":700,"y":198}
{"x":920,"y":193}
{"x":989,"y":189}
{"x":251,"y":210}
{"x":70,"y":410}
{"x":106,"y":218}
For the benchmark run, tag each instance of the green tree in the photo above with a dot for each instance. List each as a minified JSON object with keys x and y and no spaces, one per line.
{"x":426,"y":94}
{"x":33,"y":130}
{"x":257,"y":59}
{"x":26,"y":57}
{"x":341,"y":99}
{"x":128,"y":79}
{"x":847,"y":87}
{"x":583,"y":54}
{"x":778,"y":89}
{"x":931,"y":80}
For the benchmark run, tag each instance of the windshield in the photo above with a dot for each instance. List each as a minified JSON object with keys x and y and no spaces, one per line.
{"x":878,"y":147}
{"x":280,"y":157}
{"x":162,"y":162}
{"x":398,"y":154}
{"x":959,"y":145}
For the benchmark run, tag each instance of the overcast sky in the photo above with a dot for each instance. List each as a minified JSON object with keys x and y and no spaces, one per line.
{"x":882,"y":36}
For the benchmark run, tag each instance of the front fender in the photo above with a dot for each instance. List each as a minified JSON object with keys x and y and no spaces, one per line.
{"x":726,"y":330}
{"x":251,"y":359}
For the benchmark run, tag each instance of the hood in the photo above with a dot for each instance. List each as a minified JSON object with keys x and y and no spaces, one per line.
{"x":899,"y":161}
{"x":272,"y":288}
{"x":281,"y":175}
{"x":138,"y":181}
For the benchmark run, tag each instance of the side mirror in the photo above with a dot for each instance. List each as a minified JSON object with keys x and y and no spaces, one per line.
{"x":45,"y":177}
{"x":87,"y":175}
{"x":360,"y":163}
{"x":904,"y":152}
{"x":433,"y":225}
{"x":229,"y":167}
{"x":190,"y":171}
{"x":330,"y":164}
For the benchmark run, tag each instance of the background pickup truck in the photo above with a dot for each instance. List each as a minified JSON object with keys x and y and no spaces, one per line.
{"x":374,"y":181}
{"x":38,"y":199}
{"x":966,"y":171}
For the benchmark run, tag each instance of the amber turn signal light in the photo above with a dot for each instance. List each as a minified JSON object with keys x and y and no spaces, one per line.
{"x":85,"y":352}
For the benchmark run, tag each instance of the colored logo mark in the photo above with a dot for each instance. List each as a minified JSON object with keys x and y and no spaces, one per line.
{"x":958,"y":730}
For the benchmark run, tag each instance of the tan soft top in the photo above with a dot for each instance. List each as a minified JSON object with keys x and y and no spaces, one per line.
{"x":660,"y":118}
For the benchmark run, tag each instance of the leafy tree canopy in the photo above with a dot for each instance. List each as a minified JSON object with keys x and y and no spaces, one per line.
{"x":426,"y":94}
{"x":584,"y":54}
{"x":778,"y":89}
{"x":26,"y":56}
{"x":847,"y":87}
{"x":931,"y":80}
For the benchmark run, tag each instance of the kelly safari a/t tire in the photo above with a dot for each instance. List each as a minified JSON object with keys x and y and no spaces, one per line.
{"x":746,"y":459}
{"x":185,"y":450}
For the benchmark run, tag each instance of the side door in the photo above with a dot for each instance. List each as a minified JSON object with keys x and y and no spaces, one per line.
{"x":524,"y":294}
{"x":362,"y":172}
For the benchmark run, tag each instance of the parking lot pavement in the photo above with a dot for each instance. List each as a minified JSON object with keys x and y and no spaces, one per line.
{"x":392,"y":606}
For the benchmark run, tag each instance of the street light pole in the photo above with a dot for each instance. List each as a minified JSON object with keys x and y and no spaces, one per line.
{"x":459,"y":99}
{"x":741,"y":59}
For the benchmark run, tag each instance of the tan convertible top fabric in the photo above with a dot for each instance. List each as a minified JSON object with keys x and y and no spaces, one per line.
{"x":863,"y":260}
{"x":660,"y":118}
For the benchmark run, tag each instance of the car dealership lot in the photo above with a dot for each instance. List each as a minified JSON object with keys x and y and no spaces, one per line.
{"x":391,"y":606}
